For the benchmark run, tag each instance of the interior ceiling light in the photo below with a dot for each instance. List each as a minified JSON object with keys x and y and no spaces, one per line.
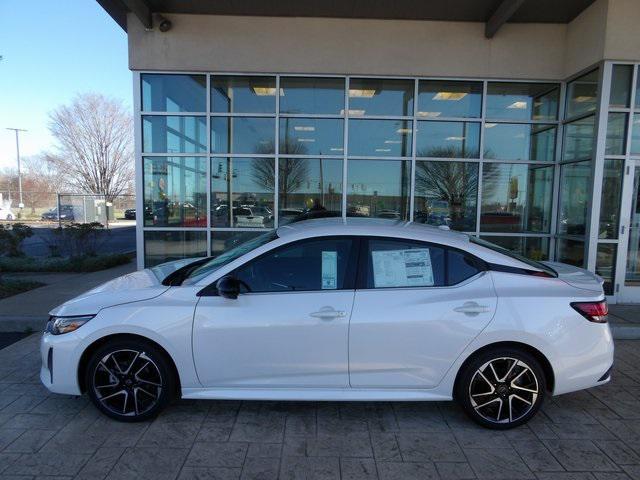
{"x":392,"y":141}
{"x":403,"y":131}
{"x":383,"y":149}
{"x":458,"y":139}
{"x":429,"y":114}
{"x":518,"y":105}
{"x":337,"y":149}
{"x":353,"y":111}
{"x":449,"y":96}
{"x":309,"y":140}
{"x":362,"y":93}
{"x":303,"y":128}
{"x":490,"y":125}
{"x":266,"y":91}
{"x":583,"y":98}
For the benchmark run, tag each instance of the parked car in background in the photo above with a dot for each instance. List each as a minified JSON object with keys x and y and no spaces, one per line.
{"x":6,"y":213}
{"x":66,"y":214}
{"x":130,"y":214}
{"x":335,"y":310}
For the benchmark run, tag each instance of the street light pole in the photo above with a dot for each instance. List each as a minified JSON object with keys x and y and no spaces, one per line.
{"x":17,"y":131}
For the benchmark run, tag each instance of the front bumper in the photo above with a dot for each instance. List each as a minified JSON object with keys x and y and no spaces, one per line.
{"x":59,"y":369}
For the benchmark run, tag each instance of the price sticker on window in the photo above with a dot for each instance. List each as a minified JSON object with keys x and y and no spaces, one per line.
{"x":402,"y":268}
{"x":329,"y":270}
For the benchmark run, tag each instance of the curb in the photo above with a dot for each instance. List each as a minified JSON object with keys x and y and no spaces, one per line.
{"x":625,"y":332}
{"x":34,"y":323}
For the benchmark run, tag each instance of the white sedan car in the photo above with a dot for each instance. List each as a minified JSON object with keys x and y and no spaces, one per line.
{"x":332,"y":310}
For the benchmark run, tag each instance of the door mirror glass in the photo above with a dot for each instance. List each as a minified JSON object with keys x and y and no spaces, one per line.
{"x":228,"y":287}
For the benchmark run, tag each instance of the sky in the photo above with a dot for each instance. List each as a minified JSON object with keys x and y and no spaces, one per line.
{"x":51,"y":51}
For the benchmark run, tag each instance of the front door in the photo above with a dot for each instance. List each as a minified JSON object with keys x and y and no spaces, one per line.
{"x":289,"y":326}
{"x":629,"y":261}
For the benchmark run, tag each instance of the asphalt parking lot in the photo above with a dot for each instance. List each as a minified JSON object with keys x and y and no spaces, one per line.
{"x":593,"y":434}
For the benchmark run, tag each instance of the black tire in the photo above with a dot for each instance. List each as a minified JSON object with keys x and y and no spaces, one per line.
{"x":499,"y":401}
{"x":139,"y":369}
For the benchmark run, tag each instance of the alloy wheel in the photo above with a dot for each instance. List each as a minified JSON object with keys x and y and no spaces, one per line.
{"x":127,"y":382}
{"x":503,"y":390}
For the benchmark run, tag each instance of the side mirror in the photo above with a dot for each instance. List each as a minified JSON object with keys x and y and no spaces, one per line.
{"x":228,"y":287}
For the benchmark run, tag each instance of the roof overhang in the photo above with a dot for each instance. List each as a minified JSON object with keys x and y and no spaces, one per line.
{"x":494,"y":13}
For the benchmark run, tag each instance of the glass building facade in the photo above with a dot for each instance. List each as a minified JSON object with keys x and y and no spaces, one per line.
{"x":225,"y":157}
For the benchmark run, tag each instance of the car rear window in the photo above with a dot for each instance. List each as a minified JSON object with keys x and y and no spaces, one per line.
{"x":516,"y":256}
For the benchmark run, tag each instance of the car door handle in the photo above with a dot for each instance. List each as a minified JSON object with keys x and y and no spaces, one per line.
{"x":472,"y":308}
{"x":328,"y":313}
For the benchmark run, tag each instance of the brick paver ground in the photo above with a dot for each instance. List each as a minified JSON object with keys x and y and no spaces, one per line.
{"x":591,"y":435}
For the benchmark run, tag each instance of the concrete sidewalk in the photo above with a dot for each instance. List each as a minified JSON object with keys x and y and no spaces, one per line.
{"x":29,"y":310}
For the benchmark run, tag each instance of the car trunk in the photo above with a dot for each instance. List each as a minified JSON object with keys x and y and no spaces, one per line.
{"x":577,"y":277}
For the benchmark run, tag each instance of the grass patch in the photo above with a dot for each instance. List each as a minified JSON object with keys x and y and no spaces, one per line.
{"x":13,"y":287}
{"x":76,"y":264}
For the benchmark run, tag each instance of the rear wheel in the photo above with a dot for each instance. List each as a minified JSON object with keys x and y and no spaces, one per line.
{"x":130,"y":380}
{"x":501,"y":388}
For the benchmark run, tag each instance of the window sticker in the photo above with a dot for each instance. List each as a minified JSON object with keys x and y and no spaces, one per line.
{"x":402,"y":268}
{"x":329,"y":270}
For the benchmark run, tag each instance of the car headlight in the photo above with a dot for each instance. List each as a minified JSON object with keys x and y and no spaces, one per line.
{"x":60,"y":325}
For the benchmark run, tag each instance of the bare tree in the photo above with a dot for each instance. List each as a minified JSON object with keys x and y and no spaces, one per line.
{"x":95,"y":144}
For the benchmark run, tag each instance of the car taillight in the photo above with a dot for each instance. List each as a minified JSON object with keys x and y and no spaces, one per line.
{"x":592,"y":311}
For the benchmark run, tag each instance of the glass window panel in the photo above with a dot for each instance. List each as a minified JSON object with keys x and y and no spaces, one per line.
{"x":582,"y":94}
{"x":243,"y":94}
{"x":448,"y":139}
{"x":378,"y":188}
{"x":637,"y":99}
{"x":312,"y":95}
{"x":445,"y":98}
{"x":380,"y":138}
{"x":446,"y":194}
{"x":535,"y":248}
{"x":174,"y":134}
{"x":575,"y":180}
{"x":516,"y":198}
{"x":578,"y":139}
{"x":221,"y":241}
{"x":522,"y":101}
{"x":511,"y":141}
{"x":610,"y":200}
{"x":175,"y":191}
{"x":247,"y":184}
{"x":376,"y":96}
{"x":161,"y":247}
{"x":311,"y":136}
{"x":620,"y":85}
{"x":606,"y":265}
{"x":632,"y":271}
{"x":243,"y":135}
{"x":635,"y":135}
{"x":174,"y":93}
{"x":570,"y":251}
{"x":309,"y":188}
{"x":616,"y":134}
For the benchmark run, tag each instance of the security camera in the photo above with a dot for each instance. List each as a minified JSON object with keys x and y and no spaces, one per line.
{"x":164,"y":25}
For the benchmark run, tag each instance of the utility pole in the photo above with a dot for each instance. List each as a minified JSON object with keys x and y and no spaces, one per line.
{"x":17,"y":131}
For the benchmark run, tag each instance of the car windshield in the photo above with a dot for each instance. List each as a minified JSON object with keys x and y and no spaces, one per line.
{"x":228,"y":257}
{"x":509,"y":253}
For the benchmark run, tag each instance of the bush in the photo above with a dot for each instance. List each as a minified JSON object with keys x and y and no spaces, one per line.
{"x":78,"y":239}
{"x":11,"y":238}
{"x":13,"y":287}
{"x":85,"y":263}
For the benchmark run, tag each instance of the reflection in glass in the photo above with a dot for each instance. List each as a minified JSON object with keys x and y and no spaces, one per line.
{"x":312,"y":95}
{"x":444,"y":98}
{"x":309,"y":188}
{"x":175,"y":191}
{"x":448,"y":139}
{"x":517,"y":141}
{"x":570,"y":251}
{"x":377,"y":96}
{"x":446,"y":194}
{"x":575,"y":179}
{"x":311,"y":136}
{"x":606,"y":265}
{"x":635,"y":135}
{"x":522,"y":101}
{"x":578,"y":139}
{"x":610,"y":200}
{"x":582,"y":94}
{"x":516,"y":198}
{"x":378,"y":188}
{"x":174,"y":134}
{"x":380,"y":138}
{"x":221,"y":241}
{"x":243,"y":94}
{"x":616,"y":134}
{"x":243,"y":135}
{"x":620,"y":85}
{"x":245,"y":184}
{"x":632,"y":274}
{"x":535,"y":248}
{"x":160,"y":247}
{"x":174,"y":93}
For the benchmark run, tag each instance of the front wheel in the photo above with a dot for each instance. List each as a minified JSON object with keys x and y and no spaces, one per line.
{"x":129,"y":380}
{"x":502,"y":388}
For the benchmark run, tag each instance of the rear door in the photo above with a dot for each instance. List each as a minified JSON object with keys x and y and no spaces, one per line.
{"x":417,"y":306}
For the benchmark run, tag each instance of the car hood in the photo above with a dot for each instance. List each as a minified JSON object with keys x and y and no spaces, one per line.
{"x":577,"y":277}
{"x":133,"y":287}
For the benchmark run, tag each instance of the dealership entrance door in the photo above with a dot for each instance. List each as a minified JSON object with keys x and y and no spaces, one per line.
{"x":629,"y":261}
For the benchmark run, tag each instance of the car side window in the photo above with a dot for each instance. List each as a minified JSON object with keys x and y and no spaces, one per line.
{"x":460,"y":267}
{"x":308,"y":265}
{"x":393,"y":263}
